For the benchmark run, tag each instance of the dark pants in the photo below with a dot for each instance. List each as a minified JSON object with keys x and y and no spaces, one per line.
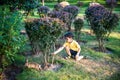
{"x":73,"y":53}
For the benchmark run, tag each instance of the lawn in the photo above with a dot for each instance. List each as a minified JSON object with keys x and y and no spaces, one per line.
{"x":95,"y":65}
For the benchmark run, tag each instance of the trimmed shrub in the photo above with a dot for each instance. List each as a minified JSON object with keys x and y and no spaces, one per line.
{"x":43,"y":11}
{"x":78,"y":24}
{"x":43,"y":33}
{"x":58,"y":7}
{"x":102,"y":22}
{"x":79,"y":4}
{"x":62,"y":15}
{"x":72,"y":9}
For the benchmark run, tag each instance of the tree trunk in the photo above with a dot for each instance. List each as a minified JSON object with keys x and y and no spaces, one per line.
{"x":101,"y":45}
{"x":43,"y":3}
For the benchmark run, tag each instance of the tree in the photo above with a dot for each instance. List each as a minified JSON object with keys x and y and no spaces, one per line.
{"x":10,"y":39}
{"x":102,"y":22}
{"x":43,"y":33}
{"x":78,"y":24}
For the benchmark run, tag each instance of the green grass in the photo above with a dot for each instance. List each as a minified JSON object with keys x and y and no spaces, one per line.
{"x":99,"y":65}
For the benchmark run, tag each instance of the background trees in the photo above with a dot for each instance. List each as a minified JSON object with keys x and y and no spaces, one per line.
{"x":102,"y":22}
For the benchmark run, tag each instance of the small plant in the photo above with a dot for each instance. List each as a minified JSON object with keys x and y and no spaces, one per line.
{"x":43,"y":33}
{"x":102,"y":22}
{"x":78,"y":24}
{"x":43,"y":10}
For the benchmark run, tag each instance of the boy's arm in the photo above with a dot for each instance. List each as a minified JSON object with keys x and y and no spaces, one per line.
{"x":60,"y":49}
{"x":78,"y":51}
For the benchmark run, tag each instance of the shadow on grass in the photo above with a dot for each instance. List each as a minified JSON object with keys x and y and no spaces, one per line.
{"x":115,"y":76}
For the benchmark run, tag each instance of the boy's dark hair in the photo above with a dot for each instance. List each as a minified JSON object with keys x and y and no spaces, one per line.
{"x":68,"y":34}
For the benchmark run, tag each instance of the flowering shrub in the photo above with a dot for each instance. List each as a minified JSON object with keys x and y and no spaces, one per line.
{"x":43,"y":33}
{"x":43,"y":10}
{"x":78,"y":24}
{"x":64,"y":16}
{"x":58,"y":7}
{"x":79,"y":4}
{"x":102,"y":22}
{"x":72,"y":9}
{"x":29,"y":5}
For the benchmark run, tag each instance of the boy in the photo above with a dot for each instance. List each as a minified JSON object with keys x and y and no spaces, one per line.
{"x":71,"y":46}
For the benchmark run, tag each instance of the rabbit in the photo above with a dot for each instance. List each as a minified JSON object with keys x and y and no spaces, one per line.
{"x":33,"y":65}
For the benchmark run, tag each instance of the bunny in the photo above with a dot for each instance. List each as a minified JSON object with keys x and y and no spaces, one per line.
{"x":33,"y":65}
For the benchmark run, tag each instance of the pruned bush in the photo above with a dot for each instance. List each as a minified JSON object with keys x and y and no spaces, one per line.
{"x":102,"y":22}
{"x":62,"y":15}
{"x":79,"y":4}
{"x":78,"y":24}
{"x":58,"y":7}
{"x":43,"y":33}
{"x":111,"y":3}
{"x":10,"y":39}
{"x":72,"y":9}
{"x":29,"y":6}
{"x":43,"y":11}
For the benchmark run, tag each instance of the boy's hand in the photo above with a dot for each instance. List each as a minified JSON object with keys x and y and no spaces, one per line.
{"x":53,"y":54}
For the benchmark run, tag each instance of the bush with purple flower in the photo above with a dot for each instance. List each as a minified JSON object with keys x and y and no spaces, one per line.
{"x":102,"y":22}
{"x":72,"y":9}
{"x":62,"y":15}
{"x":43,"y":10}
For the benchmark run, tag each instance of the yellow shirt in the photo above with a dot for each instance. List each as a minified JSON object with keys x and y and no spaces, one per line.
{"x":73,"y":45}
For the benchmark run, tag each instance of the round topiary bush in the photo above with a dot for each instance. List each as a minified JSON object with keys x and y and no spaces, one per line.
{"x":43,"y":11}
{"x":78,"y":24}
{"x":62,"y":15}
{"x":43,"y":33}
{"x":102,"y":22}
{"x":72,"y":9}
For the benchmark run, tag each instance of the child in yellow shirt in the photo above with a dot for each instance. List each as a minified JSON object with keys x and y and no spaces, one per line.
{"x":71,"y":46}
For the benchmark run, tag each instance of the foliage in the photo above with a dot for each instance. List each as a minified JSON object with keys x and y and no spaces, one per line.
{"x":72,"y":9}
{"x":43,"y":10}
{"x":58,"y":7}
{"x":111,"y":3}
{"x":43,"y":33}
{"x":29,"y":5}
{"x":19,"y":60}
{"x":102,"y":22}
{"x":79,"y":4}
{"x":10,"y":39}
{"x":62,"y":15}
{"x":78,"y":24}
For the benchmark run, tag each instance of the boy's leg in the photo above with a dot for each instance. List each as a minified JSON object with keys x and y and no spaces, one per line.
{"x":68,"y":51}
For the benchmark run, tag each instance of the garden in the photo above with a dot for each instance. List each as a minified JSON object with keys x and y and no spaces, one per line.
{"x":31,"y":30}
